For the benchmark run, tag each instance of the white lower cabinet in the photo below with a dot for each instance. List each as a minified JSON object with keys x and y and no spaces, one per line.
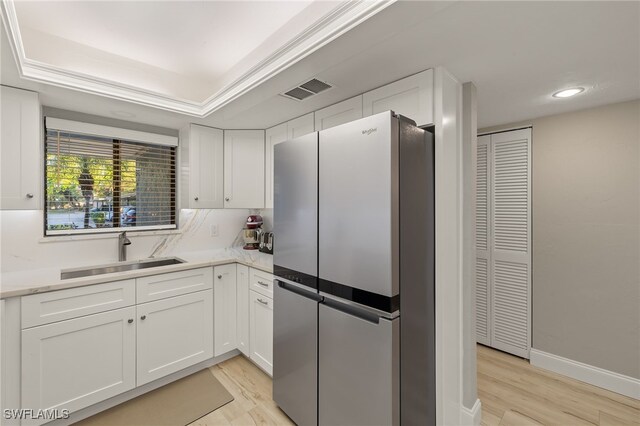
{"x":78,"y":359}
{"x":173,"y":334}
{"x":242,"y":309}
{"x":76,"y":363}
{"x":261,"y":330}
{"x":224,"y":309}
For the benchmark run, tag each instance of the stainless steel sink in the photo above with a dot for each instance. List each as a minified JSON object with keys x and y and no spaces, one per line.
{"x":66,"y":274}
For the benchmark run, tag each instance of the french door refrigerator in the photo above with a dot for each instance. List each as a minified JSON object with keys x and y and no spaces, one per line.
{"x":354,"y":308}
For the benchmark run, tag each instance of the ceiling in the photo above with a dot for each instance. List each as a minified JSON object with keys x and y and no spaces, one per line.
{"x":191,"y":57}
{"x":516,"y":53}
{"x":178,"y":49}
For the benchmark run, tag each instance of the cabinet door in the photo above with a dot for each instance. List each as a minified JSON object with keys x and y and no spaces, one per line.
{"x":411,"y":97}
{"x":261,"y":317}
{"x":76,"y":363}
{"x":173,"y":334}
{"x":224,"y":308}
{"x":510,"y":257}
{"x":242,"y":306}
{"x":273,"y":136}
{"x":300,"y":126}
{"x":483,"y":214}
{"x":20,"y":150}
{"x":244,"y":168}
{"x":203,"y":159}
{"x":340,"y":113}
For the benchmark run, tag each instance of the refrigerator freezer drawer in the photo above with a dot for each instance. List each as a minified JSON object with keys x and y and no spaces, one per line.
{"x":295,"y":376}
{"x":358,"y":369}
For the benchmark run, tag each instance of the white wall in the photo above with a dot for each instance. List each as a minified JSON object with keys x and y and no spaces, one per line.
{"x":586,"y":235}
{"x":24,"y":247}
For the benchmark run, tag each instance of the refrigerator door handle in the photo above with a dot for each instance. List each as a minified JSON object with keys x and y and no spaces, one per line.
{"x":352,"y":310}
{"x":300,"y":292}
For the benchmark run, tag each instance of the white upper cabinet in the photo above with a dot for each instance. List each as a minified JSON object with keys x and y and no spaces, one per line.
{"x":340,"y":113}
{"x":300,"y":126}
{"x":20,"y":150}
{"x":244,"y":164}
{"x":411,"y":97}
{"x":273,"y":136}
{"x":202,"y":157}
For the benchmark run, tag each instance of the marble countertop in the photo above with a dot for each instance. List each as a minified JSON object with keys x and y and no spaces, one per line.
{"x":21,"y":283}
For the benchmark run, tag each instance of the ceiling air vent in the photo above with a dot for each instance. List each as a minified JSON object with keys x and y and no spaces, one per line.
{"x":315,"y":86}
{"x":310,"y":88}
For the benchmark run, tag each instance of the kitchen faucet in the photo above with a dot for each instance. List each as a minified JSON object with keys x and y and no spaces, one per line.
{"x":123,"y":242}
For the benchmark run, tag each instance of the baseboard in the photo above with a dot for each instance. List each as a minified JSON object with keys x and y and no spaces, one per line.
{"x":472,"y":416}
{"x":596,"y":376}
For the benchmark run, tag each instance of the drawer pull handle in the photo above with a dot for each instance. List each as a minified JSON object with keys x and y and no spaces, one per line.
{"x":29,"y":195}
{"x":263,"y":284}
{"x":144,"y":317}
{"x":263,"y":302}
{"x":227,"y":199}
{"x":219,"y":277}
{"x":130,"y":320}
{"x":195,"y":198}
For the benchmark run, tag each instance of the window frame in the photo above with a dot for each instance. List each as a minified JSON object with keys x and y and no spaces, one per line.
{"x":67,"y":126}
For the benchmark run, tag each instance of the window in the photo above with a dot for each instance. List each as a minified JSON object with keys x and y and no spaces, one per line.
{"x":96,"y":183}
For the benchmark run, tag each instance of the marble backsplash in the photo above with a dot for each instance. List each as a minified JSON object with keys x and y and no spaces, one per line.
{"x":23,"y":246}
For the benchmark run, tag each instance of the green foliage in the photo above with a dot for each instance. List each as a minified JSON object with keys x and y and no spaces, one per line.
{"x":98,"y":217}
{"x":63,"y":173}
{"x":62,"y":227}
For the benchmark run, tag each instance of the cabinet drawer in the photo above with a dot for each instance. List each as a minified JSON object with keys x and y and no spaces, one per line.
{"x":172,"y":284}
{"x":262,"y":282}
{"x":45,"y":308}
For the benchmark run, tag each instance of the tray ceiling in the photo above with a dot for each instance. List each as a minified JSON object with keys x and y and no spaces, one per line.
{"x":191,"y":57}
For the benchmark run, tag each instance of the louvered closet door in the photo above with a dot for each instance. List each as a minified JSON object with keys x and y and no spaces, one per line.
{"x":483,"y":328}
{"x":510,"y":242}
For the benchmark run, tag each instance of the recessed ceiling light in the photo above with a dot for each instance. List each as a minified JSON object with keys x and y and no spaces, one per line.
{"x":567,"y":93}
{"x":124,"y":114}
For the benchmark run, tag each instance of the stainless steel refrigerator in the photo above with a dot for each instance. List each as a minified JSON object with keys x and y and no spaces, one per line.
{"x":354,"y":302}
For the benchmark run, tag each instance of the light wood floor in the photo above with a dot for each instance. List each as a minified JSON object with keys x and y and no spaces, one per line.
{"x":251,"y":390}
{"x":511,"y":390}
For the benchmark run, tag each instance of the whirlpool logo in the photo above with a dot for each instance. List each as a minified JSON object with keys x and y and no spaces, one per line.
{"x":369,"y":131}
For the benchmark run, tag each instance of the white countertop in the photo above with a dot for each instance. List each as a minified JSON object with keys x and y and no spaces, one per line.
{"x":20,"y":283}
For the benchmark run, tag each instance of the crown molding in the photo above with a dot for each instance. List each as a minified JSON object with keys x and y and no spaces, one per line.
{"x":331,"y":26}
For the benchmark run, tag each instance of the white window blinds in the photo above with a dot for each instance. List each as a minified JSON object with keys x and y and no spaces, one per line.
{"x":96,"y":183}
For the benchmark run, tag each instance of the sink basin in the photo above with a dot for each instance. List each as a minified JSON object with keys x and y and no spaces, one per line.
{"x":66,"y":274}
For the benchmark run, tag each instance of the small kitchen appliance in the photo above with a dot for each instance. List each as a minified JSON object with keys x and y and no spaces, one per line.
{"x":252,"y":231}
{"x":266,"y":242}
